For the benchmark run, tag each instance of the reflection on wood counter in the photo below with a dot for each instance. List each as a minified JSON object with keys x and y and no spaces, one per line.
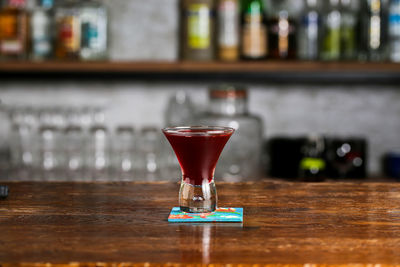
{"x":284,"y":223}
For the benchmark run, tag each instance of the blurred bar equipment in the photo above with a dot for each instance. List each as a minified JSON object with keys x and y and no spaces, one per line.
{"x":50,"y":154}
{"x":315,"y":158}
{"x":180,"y":110}
{"x":312,"y":167}
{"x":123,"y":157}
{"x":150,"y":156}
{"x":346,"y":157}
{"x":48,"y":142}
{"x":99,"y":153}
{"x":284,"y":156}
{"x":241,"y":160}
{"x":51,"y":143}
{"x":391,"y":164}
{"x":74,"y":161}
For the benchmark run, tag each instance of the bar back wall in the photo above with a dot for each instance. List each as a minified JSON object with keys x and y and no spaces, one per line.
{"x":149,"y":32}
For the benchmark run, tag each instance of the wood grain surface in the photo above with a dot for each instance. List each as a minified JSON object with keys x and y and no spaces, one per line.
{"x":197,"y":67}
{"x":96,"y":224}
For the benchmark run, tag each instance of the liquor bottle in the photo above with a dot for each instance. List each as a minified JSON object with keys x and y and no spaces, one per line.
{"x":372,"y":31}
{"x":312,"y":165}
{"x":228,"y":30}
{"x":331,"y":32}
{"x":309,"y":31}
{"x":253,"y":30}
{"x":198,"y":30}
{"x":241,"y":160}
{"x":13,"y":30}
{"x":94,"y":19}
{"x":394,"y":30}
{"x":68,"y":30}
{"x":281,"y":34}
{"x":42,"y":30}
{"x":348,"y":30}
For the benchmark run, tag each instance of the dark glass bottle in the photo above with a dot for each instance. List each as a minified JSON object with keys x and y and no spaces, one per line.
{"x":198,"y":30}
{"x":14,"y":23}
{"x":254,"y":30}
{"x":282,"y":32}
{"x":312,"y":165}
{"x":348,"y":30}
{"x":372,"y":29}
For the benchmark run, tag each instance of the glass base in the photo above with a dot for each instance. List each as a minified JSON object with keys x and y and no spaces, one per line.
{"x":198,"y":198}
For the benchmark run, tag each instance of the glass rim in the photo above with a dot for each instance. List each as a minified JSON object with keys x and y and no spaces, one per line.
{"x":202,"y":130}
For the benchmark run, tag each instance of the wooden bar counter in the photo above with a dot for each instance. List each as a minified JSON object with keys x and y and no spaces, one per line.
{"x":124,"y":224}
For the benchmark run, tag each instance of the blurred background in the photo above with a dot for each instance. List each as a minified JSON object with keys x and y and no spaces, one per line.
{"x":312,"y":87}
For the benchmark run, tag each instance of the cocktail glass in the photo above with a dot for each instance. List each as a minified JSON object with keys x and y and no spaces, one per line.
{"x":198,"y":149}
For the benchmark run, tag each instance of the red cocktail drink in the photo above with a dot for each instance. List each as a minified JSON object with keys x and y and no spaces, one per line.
{"x":198,"y":150}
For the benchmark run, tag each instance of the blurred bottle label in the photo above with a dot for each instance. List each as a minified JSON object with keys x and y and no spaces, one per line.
{"x":199,"y":26}
{"x":254,"y":38}
{"x":375,"y":24}
{"x":281,"y":37}
{"x":309,"y":35}
{"x":13,"y":33}
{"x":394,"y":30}
{"x":69,"y":33}
{"x":41,"y":33}
{"x":46,"y":3}
{"x":90,"y":35}
{"x":16,"y":3}
{"x":312,"y":164}
{"x":228,"y":24}
{"x":310,"y":20}
{"x":10,"y":46}
{"x":8,"y":27}
{"x":394,"y":22}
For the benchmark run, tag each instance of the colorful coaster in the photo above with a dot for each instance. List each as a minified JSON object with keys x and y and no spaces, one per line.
{"x":220,"y":215}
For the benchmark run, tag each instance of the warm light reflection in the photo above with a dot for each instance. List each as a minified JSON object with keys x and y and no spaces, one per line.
{"x":197,"y":241}
{"x":206,"y":243}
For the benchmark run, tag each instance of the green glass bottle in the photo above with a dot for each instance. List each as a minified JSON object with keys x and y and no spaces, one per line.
{"x":372,"y":45}
{"x":254,"y":30}
{"x":331,"y":36}
{"x":348,"y":30}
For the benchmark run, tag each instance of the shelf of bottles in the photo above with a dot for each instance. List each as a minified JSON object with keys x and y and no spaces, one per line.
{"x":40,"y":31}
{"x":217,"y":36}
